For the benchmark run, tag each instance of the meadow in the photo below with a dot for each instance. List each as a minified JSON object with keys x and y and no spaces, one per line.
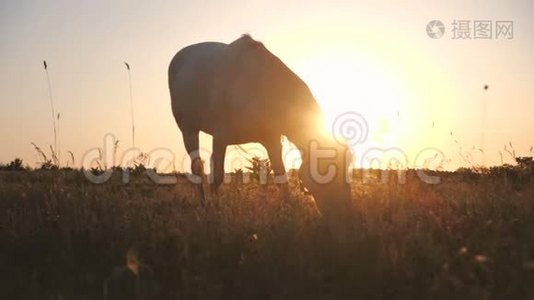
{"x":469,"y":237}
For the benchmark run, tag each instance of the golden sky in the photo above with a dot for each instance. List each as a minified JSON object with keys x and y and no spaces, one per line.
{"x":373,"y":57}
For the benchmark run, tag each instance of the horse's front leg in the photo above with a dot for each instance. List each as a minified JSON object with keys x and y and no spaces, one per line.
{"x":192,"y":147}
{"x":217,"y":164}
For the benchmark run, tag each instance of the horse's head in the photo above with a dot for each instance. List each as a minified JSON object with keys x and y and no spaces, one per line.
{"x":324,"y":169}
{"x":324,"y":172}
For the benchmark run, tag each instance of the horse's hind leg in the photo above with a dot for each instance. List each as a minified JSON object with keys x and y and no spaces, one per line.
{"x":192,"y":147}
{"x":274,"y":149}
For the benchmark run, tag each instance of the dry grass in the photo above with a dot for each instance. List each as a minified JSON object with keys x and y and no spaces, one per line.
{"x":469,"y":237}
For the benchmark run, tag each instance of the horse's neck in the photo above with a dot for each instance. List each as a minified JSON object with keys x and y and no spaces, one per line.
{"x":322,"y":150}
{"x":301,"y":139}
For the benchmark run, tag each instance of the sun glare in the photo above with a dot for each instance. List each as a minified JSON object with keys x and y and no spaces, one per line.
{"x":351,"y":82}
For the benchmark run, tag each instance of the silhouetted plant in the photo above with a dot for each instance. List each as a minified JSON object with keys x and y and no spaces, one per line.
{"x":524,"y":161}
{"x":140,"y":163}
{"x":47,"y":163}
{"x":72,"y":162}
{"x":259,"y":167}
{"x":15,"y":165}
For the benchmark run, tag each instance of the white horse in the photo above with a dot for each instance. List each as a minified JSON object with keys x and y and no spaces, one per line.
{"x":240,"y":93}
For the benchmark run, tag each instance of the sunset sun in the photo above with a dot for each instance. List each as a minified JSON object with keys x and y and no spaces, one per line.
{"x":352,"y":82}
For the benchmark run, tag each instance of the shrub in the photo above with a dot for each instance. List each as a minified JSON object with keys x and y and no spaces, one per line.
{"x":15,"y":165}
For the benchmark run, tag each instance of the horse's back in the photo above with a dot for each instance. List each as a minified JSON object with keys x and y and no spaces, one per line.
{"x":190,"y":74}
{"x":193,"y":59}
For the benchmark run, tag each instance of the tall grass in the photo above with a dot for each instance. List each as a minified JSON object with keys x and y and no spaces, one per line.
{"x":469,"y":237}
{"x":55,"y":150}
{"x":131,"y":103}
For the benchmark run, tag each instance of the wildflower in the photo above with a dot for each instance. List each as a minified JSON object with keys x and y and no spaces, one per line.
{"x":481,"y":258}
{"x":253,"y":238}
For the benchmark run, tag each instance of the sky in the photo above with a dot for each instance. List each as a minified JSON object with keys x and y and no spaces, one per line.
{"x":373,"y":58}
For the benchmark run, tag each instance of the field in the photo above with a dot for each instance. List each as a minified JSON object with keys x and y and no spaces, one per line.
{"x":469,"y":237}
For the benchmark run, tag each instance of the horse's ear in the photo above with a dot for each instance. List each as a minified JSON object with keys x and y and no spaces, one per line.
{"x":247,"y":41}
